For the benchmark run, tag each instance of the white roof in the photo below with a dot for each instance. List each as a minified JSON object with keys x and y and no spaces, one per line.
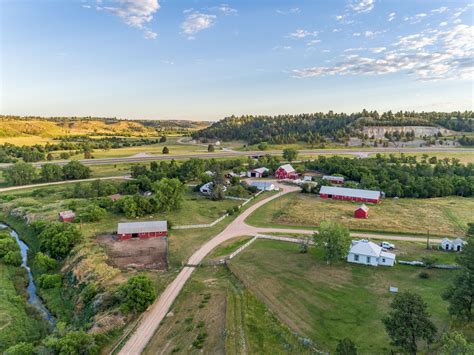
{"x":331,"y":177}
{"x":287,"y":167}
{"x":387,"y":255}
{"x":364,"y":247}
{"x":345,"y":191}
{"x":142,"y":227}
{"x":458,"y":241}
{"x":262,"y":184}
{"x":260,"y":170}
{"x":363,"y":207}
{"x":66,"y":214}
{"x":446,"y":240}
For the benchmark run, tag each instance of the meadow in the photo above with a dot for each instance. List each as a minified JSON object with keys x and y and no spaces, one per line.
{"x":446,"y":216}
{"x":327,"y":303}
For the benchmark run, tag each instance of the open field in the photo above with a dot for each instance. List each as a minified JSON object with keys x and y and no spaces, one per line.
{"x":328,"y":303}
{"x":228,"y":317}
{"x":440,"y":216}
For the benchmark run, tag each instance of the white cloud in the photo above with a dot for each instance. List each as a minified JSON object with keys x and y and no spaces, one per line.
{"x":429,"y":55}
{"x":135,"y":13}
{"x":339,"y":17}
{"x":356,"y":34}
{"x":377,"y":49}
{"x":300,"y":33}
{"x":370,"y":34}
{"x":326,"y":51}
{"x":362,"y":6}
{"x":86,"y":6}
{"x":313,"y":42}
{"x":294,"y":10}
{"x":336,"y":30}
{"x":391,"y":16}
{"x":440,"y":10}
{"x":196,"y":22}
{"x":457,"y":21}
{"x":282,"y":48}
{"x":415,"y":19}
{"x":444,"y":23}
{"x":225,"y":9}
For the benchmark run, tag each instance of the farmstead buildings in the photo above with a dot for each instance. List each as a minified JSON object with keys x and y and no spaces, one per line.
{"x":344,"y":193}
{"x":142,"y":230}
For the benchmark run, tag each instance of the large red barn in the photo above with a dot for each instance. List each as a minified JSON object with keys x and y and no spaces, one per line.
{"x":347,"y":194}
{"x":138,"y":230}
{"x":286,"y":172}
{"x":361,"y":212}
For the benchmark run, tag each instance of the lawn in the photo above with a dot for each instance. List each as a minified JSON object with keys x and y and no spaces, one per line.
{"x":438,"y":216}
{"x":328,"y":303}
{"x":228,"y":316}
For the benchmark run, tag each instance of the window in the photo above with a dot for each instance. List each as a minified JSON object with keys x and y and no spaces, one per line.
{"x":383,"y":260}
{"x":368,"y":260}
{"x":356,"y":257}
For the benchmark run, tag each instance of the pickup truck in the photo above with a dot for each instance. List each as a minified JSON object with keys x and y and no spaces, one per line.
{"x":387,"y":245}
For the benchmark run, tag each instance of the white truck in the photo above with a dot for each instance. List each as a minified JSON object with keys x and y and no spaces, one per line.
{"x":387,"y":245}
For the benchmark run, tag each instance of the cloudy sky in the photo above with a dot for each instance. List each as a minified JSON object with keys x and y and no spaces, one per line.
{"x":177,"y":59}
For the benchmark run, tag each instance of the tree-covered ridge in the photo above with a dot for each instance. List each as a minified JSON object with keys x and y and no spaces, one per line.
{"x":337,"y":126}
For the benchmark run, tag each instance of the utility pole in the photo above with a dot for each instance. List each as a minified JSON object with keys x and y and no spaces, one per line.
{"x":428,"y":240}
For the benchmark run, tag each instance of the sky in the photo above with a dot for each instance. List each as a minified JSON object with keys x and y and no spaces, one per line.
{"x":205,"y":60}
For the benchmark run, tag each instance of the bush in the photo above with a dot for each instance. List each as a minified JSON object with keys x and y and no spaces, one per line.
{"x":48,"y":281}
{"x":44,"y":262}
{"x":20,"y":349}
{"x":200,"y":339}
{"x":93,"y":213}
{"x":136,"y":294}
{"x":13,"y":258}
{"x":424,"y":275}
{"x":58,"y":239}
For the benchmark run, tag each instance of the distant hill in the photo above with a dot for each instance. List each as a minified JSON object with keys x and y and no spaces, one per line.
{"x":55,"y":127}
{"x":315,"y":127}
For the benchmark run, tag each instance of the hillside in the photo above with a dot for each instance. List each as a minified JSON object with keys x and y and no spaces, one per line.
{"x":38,"y":127}
{"x":315,"y":127}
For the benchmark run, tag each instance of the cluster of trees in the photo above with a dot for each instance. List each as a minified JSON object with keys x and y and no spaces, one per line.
{"x":56,"y":239}
{"x":464,"y":140}
{"x":316,"y":127}
{"x":22,"y":173}
{"x":9,"y":250}
{"x":402,"y":177}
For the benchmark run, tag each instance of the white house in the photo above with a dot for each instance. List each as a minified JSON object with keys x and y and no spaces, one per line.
{"x":452,"y":245}
{"x":368,"y":253}
{"x":263,"y":185}
{"x":206,"y":189}
{"x":258,"y":173}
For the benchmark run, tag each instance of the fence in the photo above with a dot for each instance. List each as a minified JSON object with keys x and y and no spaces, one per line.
{"x":212,"y":224}
{"x":436,"y":266}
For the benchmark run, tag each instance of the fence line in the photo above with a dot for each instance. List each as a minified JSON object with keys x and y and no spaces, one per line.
{"x":242,"y":247}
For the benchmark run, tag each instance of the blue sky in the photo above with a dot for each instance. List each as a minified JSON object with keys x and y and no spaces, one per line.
{"x":209,"y":59}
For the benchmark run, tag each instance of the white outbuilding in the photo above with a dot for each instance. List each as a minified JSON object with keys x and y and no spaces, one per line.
{"x":263,"y":185}
{"x":452,"y":245}
{"x":369,"y":253}
{"x":257,"y":173}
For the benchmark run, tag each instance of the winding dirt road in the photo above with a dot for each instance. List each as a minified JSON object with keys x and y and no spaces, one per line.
{"x":157,"y":311}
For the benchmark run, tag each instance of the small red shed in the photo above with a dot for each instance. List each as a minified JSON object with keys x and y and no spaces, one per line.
{"x":361,"y":212}
{"x":286,"y":172}
{"x":67,"y":216}
{"x":139,"y":230}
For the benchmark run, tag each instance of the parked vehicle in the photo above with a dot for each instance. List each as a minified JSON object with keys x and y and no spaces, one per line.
{"x":387,"y":245}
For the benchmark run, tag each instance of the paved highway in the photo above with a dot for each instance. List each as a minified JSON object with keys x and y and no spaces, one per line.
{"x":362,"y":152}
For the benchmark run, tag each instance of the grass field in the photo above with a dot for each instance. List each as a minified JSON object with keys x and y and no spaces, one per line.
{"x":17,"y":320}
{"x":328,"y":303}
{"x":216,"y":314}
{"x":439,"y":216}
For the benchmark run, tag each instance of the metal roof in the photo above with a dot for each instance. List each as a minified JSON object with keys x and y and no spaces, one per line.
{"x":263,"y":185}
{"x":260,"y":170}
{"x":344,"y":191}
{"x":331,"y":177}
{"x":67,"y":214}
{"x":287,"y":167}
{"x":364,"y":247}
{"x":363,"y":207}
{"x":142,"y":227}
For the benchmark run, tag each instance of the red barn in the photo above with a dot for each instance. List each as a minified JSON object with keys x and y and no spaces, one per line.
{"x":361,"y":212}
{"x":138,"y":230}
{"x":346,"y":194}
{"x":286,"y":172}
{"x":334,"y":179}
{"x":67,"y":216}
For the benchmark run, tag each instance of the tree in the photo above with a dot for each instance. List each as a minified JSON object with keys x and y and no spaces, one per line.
{"x":163,"y":139}
{"x":217,"y":192}
{"x":334,"y":239}
{"x":136,"y":294}
{"x":210,"y":148}
{"x":346,"y":347}
{"x":58,"y":239}
{"x":290,"y":154}
{"x":49,"y":157}
{"x":20,"y":173}
{"x":20,"y":349}
{"x":454,"y":343}
{"x":165,"y":150}
{"x":470,"y":230}
{"x":44,"y":263}
{"x":51,"y":172}
{"x":94,"y":213}
{"x":409,"y":321}
{"x":263,"y":146}
{"x":76,"y":343}
{"x":169,"y":194}
{"x":75,"y":170}
{"x":13,"y":258}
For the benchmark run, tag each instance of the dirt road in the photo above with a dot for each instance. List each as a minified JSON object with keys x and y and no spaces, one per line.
{"x":157,"y":311}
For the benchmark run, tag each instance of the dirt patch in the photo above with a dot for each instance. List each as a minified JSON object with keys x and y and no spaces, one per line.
{"x":148,"y":253}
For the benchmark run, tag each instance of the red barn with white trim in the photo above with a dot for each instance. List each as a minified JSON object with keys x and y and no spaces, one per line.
{"x":334,"y":179}
{"x":361,"y":212}
{"x":67,"y":216}
{"x":347,"y":194}
{"x":139,"y":230}
{"x":286,"y":172}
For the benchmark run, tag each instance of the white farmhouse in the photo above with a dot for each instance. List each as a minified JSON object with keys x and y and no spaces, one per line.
{"x":452,"y":245}
{"x":368,"y":253}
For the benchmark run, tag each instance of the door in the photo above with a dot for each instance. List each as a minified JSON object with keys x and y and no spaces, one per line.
{"x":134,"y":235}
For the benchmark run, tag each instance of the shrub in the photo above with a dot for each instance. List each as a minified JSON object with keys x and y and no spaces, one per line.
{"x":13,"y":258}
{"x":137,"y":294}
{"x":58,"y":239}
{"x":424,"y":275}
{"x":48,"y":281}
{"x":20,"y":349}
{"x":44,"y":262}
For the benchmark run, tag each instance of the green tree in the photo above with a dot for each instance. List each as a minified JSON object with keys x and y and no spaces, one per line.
{"x":94,"y":213}
{"x":210,"y":148}
{"x":136,"y":294}
{"x":51,"y":172}
{"x":49,"y":157}
{"x":76,"y":343}
{"x":58,"y":239}
{"x":165,"y":150}
{"x":470,"y":230}
{"x":334,"y":239}
{"x":346,"y":347}
{"x":290,"y":154}
{"x":454,"y":343}
{"x":75,"y":170}
{"x":217,"y":192}
{"x":13,"y":258}
{"x":20,"y":173}
{"x":169,"y":194}
{"x":43,"y":262}
{"x":409,"y":321}
{"x":262,"y":146}
{"x":163,"y":139}
{"x":20,"y":349}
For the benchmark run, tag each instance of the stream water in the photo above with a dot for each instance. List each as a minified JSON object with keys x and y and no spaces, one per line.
{"x":33,"y":297}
